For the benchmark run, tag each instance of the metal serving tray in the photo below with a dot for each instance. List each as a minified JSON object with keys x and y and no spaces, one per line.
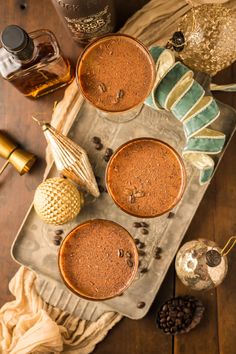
{"x":34,"y":248}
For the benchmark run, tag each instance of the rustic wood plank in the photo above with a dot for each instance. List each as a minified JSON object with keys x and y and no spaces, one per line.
{"x":225,"y":226}
{"x":141,"y":337}
{"x":215,"y":220}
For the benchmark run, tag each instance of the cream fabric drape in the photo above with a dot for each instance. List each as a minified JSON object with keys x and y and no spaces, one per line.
{"x":27,"y":324}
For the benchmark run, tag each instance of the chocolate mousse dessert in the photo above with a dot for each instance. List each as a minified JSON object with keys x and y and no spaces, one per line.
{"x":98,"y":260}
{"x":116,"y":73}
{"x":146,"y":177}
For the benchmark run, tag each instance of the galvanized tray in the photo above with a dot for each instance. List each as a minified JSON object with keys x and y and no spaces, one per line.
{"x":34,"y":246}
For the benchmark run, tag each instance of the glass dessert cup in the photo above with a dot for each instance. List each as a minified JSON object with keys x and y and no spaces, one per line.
{"x":116,"y":73}
{"x":145,"y":177}
{"x":98,"y":260}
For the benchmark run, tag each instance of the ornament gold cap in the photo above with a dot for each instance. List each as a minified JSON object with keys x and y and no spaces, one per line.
{"x":20,"y":159}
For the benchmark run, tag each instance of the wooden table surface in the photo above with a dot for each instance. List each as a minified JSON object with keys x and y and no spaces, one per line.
{"x":215,"y":218}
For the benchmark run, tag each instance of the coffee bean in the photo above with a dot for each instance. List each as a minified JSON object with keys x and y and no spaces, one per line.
{"x":128,"y":254}
{"x":144,"y":231}
{"x":157,"y":256}
{"x":144,"y":270}
{"x":170,"y":215}
{"x":58,"y":237}
{"x":141,"y":305}
{"x":144,"y":224}
{"x":120,"y":94}
{"x":165,"y":308}
{"x":130,"y":262}
{"x":56,"y":242}
{"x":141,"y":252}
{"x":187,"y":310}
{"x":158,"y":250}
{"x":136,"y":224}
{"x":106,"y":158}
{"x":98,"y":146}
{"x":59,"y":232}
{"x":121,"y":253}
{"x":96,"y":140}
{"x":136,"y":241}
{"x":177,"y":322}
{"x":180,"y":314}
{"x":102,"y":87}
{"x":108,"y":152}
{"x":141,"y":245}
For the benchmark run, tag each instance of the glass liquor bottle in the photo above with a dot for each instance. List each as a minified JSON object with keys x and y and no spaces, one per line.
{"x":33,"y":62}
{"x":87,"y":19}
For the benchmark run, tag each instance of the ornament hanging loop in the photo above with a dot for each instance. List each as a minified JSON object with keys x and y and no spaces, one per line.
{"x":228,"y":246}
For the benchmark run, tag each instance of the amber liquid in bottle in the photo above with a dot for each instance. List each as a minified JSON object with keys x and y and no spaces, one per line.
{"x":45,"y":71}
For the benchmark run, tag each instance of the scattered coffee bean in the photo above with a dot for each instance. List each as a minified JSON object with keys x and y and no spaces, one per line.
{"x":144,"y":224}
{"x":128,"y":254}
{"x":141,"y":305}
{"x":170,"y":215}
{"x":106,"y":158}
{"x":143,"y":270}
{"x":139,"y":263}
{"x":141,"y":252}
{"x":59,"y":232}
{"x":102,"y":87}
{"x":130,"y":262}
{"x":58,"y":237}
{"x":98,"y":146}
{"x":158,"y":250}
{"x":157,"y":256}
{"x":141,"y":245}
{"x":57,"y":242}
{"x":96,"y":140}
{"x":137,"y":224}
{"x":121,"y":253}
{"x":120,"y":94}
{"x":145,"y":231}
{"x":136,"y":241}
{"x":131,"y":199}
{"x":108,"y":152}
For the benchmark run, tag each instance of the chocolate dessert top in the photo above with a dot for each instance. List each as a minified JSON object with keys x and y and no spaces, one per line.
{"x":145,"y":177}
{"x":98,"y":259}
{"x":116,"y":73}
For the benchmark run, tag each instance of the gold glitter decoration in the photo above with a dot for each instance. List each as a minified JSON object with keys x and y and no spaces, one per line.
{"x":210,"y":37}
{"x":57,"y":201}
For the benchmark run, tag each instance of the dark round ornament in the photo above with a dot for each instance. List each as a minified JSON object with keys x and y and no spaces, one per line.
{"x":213,"y":258}
{"x":178,"y":41}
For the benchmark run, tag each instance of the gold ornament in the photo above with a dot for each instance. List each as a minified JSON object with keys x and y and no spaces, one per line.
{"x":57,"y":201}
{"x":209,"y":31}
{"x":70,"y":159}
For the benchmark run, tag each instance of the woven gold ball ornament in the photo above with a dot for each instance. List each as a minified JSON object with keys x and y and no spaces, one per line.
{"x":209,"y":31}
{"x":57,"y":201}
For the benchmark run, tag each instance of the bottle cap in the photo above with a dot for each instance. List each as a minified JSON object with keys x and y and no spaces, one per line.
{"x":16,"y":41}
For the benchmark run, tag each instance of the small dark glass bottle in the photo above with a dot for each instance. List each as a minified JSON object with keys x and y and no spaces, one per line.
{"x":33,"y":62}
{"x":87,"y":19}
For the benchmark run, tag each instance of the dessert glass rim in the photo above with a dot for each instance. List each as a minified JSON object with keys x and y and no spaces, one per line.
{"x":80,"y":58}
{"x":76,"y":291}
{"x":183,"y":185}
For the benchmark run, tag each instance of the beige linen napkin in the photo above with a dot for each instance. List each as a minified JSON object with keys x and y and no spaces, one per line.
{"x":28,"y":324}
